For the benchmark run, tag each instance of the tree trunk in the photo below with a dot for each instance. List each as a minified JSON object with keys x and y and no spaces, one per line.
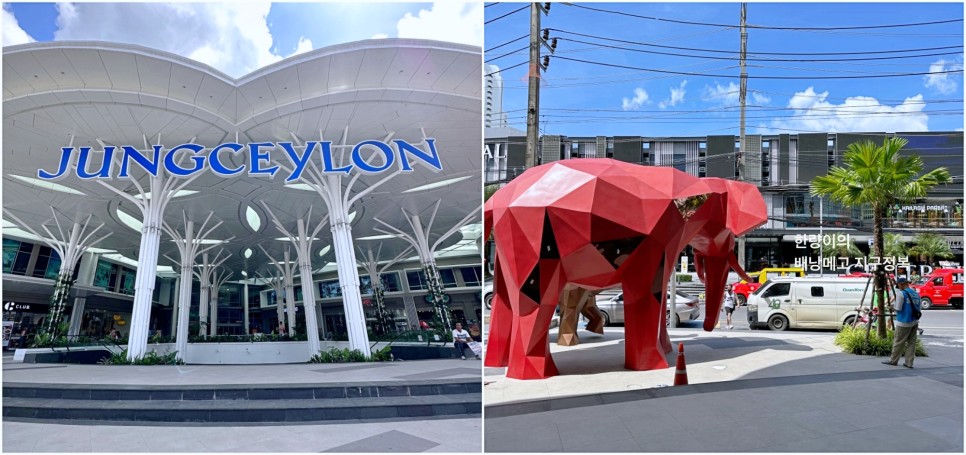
{"x":878,"y":241}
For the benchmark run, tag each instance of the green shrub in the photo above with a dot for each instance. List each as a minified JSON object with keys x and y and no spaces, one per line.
{"x":151,"y":358}
{"x":345,"y":355}
{"x":382,"y":355}
{"x":852,"y":340}
{"x":683,"y":277}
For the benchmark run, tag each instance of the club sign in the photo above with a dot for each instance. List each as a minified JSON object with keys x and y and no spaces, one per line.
{"x":258,"y":159}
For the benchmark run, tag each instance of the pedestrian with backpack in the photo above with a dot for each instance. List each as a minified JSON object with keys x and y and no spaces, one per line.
{"x":908,"y":313}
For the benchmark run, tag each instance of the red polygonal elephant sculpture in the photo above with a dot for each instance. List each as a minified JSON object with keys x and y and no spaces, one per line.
{"x":595,"y":223}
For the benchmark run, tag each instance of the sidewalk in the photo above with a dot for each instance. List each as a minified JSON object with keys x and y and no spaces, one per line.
{"x":750,"y":391}
{"x":453,"y":435}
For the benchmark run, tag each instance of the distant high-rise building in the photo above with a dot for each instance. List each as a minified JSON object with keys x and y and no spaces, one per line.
{"x":493,"y":115}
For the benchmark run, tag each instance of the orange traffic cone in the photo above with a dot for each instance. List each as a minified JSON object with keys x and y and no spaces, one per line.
{"x":681,"y":371}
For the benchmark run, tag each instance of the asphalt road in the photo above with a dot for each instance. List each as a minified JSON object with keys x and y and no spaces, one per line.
{"x":940,"y":322}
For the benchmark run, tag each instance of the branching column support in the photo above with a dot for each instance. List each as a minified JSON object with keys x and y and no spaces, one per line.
{"x":219,"y":278}
{"x":286,"y":270}
{"x":162,"y":188}
{"x":277,"y":283}
{"x":339,"y":200}
{"x":303,"y":246}
{"x":420,"y":240}
{"x":70,"y":246}
{"x":206,"y":276}
{"x":189,"y":246}
{"x":371,"y":266}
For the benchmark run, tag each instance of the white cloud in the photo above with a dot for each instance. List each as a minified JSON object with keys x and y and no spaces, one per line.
{"x":677,"y":96}
{"x":456,"y":22}
{"x":760,"y":99}
{"x":640,"y":98}
{"x":813,"y":112}
{"x":233,"y":38}
{"x":380,"y":36}
{"x":942,"y":82}
{"x":724,"y":95}
{"x":303,"y":46}
{"x":12,"y":33}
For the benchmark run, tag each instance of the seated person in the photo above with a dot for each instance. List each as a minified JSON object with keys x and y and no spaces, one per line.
{"x":461,"y":339}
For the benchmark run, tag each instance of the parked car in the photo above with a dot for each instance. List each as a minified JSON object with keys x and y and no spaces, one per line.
{"x":611,"y":304}
{"x":743,"y":288}
{"x":944,"y":287}
{"x":488,"y":294}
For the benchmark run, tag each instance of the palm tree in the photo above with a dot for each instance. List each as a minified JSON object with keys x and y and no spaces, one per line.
{"x":877,"y":177}
{"x":894,"y":246}
{"x":841,"y":249}
{"x":930,"y":246}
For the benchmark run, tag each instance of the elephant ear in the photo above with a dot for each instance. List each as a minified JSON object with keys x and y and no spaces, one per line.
{"x":746,"y":207}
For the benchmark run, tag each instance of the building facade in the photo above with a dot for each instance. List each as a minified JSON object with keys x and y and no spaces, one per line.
{"x":782,"y":165}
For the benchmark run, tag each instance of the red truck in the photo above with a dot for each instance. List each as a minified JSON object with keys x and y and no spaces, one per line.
{"x":943,"y":288}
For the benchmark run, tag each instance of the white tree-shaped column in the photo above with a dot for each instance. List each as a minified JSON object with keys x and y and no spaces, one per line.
{"x":69,"y":246}
{"x":218,"y":279}
{"x":154,"y":198}
{"x":339,"y":200}
{"x":189,"y":246}
{"x":370,"y":264}
{"x":420,"y":240}
{"x":286,"y":270}
{"x":303,"y":246}
{"x":277,"y":282}
{"x":206,"y":275}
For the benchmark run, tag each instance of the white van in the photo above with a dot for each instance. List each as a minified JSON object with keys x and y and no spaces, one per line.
{"x":814,"y":303}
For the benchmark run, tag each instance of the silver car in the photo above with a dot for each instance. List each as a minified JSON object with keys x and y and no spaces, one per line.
{"x":611,"y":304}
{"x":488,"y":294}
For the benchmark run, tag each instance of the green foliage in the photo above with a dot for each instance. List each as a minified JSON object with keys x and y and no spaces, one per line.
{"x":488,"y":191}
{"x":894,"y":246}
{"x":151,"y":358}
{"x":683,"y":277}
{"x":852,"y":340}
{"x":382,"y":355}
{"x":929,"y":246}
{"x":336,"y":355}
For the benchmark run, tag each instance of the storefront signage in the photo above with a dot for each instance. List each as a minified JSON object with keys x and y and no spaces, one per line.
{"x":24,"y":307}
{"x":258,"y":159}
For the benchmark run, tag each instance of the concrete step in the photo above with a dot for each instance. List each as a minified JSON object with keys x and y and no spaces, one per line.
{"x":242,"y":403}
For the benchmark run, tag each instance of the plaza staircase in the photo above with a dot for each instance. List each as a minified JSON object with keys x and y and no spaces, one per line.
{"x":241,"y":403}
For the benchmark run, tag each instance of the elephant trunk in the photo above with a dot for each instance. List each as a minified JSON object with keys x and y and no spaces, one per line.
{"x":715,"y":277}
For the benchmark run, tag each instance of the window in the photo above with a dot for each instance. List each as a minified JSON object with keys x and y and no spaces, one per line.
{"x":777,"y":290}
{"x":471,"y":275}
{"x":390,"y":282}
{"x":818,"y":291}
{"x":127,"y":281}
{"x":448,"y":277}
{"x":48,"y":263}
{"x":105,"y":276}
{"x":330,"y":289}
{"x":16,"y":256}
{"x":938,"y":281}
{"x":416,"y":280}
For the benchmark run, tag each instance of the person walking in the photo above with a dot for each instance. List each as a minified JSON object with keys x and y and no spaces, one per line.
{"x":729,"y":306}
{"x":461,"y":339}
{"x":907,"y":303}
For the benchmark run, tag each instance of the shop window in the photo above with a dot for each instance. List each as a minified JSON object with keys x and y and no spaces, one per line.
{"x":16,"y":256}
{"x":329,"y":289}
{"x":448,"y":277}
{"x":127,"y":281}
{"x":48,"y":263}
{"x":471,"y":275}
{"x":416,"y":280}
{"x":390,"y":282}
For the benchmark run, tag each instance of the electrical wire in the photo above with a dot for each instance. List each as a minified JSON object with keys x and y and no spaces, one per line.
{"x":507,"y":68}
{"x":720,"y":51}
{"x":492,"y":4}
{"x":764,"y":27}
{"x":507,"y":14}
{"x":732,"y":76}
{"x":505,"y":55}
{"x":506,"y":43}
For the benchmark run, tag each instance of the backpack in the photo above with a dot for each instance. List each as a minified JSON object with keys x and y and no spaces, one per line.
{"x":916,"y":313}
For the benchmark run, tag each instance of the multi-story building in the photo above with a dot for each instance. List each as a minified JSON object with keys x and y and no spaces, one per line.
{"x":782,"y":165}
{"x":493,"y":115}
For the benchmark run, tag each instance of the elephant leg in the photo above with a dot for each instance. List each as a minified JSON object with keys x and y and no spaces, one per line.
{"x":644,"y":309}
{"x":537,"y":301}
{"x":715,"y":276}
{"x":595,"y":320}
{"x":501,"y":322}
{"x":569,"y":300}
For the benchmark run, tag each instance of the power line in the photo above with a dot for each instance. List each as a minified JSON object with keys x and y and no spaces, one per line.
{"x":731,"y":76}
{"x":492,"y":4}
{"x":508,"y":53}
{"x":507,"y":14}
{"x":507,"y":68}
{"x":712,"y":57}
{"x":764,"y":27}
{"x":506,"y":43}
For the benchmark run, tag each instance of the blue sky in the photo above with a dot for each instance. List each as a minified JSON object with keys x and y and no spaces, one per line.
{"x":585,"y":99}
{"x":238,"y":38}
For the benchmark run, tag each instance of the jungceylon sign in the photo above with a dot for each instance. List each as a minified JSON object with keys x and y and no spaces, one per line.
{"x":258,"y":159}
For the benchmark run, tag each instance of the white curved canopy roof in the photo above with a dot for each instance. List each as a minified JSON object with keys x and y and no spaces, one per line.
{"x":119,"y":94}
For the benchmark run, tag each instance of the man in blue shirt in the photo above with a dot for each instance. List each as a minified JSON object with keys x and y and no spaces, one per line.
{"x":906,"y":324}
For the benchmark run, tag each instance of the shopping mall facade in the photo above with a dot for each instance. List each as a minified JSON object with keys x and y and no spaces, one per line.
{"x":343,"y":183}
{"x":782,"y":165}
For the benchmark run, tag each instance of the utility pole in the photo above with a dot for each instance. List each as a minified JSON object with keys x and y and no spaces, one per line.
{"x":742,"y":94}
{"x":533,"y":98}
